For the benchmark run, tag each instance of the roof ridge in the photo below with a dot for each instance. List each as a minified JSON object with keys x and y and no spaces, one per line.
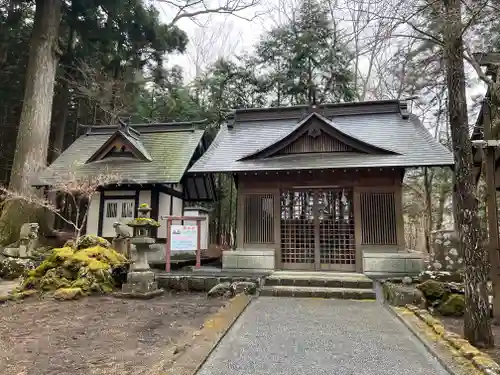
{"x":319,"y":106}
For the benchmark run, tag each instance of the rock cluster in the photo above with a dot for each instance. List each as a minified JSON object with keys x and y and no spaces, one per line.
{"x":227,"y":289}
{"x":72,"y":272}
{"x":445,"y":298}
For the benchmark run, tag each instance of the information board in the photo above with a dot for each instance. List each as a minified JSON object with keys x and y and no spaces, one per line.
{"x":183,"y":237}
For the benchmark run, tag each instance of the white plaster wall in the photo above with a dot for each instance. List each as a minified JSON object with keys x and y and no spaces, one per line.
{"x":145,"y":197}
{"x":163,"y":210}
{"x":93,"y":214}
{"x":177,"y":207}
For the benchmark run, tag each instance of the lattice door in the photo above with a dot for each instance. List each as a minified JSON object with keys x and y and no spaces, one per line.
{"x":336,"y":230}
{"x":317,"y":230}
{"x":297,"y":230}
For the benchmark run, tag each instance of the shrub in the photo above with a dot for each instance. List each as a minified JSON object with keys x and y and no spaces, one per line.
{"x":453,"y":306}
{"x":433,"y":290}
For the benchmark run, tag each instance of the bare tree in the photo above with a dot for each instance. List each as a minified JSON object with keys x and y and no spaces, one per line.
{"x":441,"y":23}
{"x":193,"y":9}
{"x":211,"y":42}
{"x":78,"y":189}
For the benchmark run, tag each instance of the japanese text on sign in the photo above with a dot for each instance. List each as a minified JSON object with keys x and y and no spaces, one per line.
{"x":183,"y":237}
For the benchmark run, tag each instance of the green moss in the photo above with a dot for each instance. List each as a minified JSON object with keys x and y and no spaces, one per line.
{"x":82,"y":283}
{"x":70,"y":243}
{"x":95,"y":265}
{"x":144,"y":205}
{"x":68,"y":293}
{"x":143,"y":221}
{"x":17,"y":296}
{"x":453,"y":306}
{"x":89,"y":270}
{"x":89,"y":240}
{"x":433,"y":290}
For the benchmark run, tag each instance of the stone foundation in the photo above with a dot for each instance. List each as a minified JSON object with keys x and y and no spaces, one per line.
{"x":195,"y":283}
{"x":261,"y":260}
{"x":382,"y":265}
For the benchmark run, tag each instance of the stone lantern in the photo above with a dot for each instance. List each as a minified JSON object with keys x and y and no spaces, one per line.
{"x":140,"y":278}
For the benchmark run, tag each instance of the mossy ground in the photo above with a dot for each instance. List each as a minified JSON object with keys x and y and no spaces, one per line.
{"x":89,"y":270}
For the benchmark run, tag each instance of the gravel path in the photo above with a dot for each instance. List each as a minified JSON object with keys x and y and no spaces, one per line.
{"x":316,"y":336}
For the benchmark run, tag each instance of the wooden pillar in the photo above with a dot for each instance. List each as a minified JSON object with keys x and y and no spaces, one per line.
{"x":357,"y":228}
{"x":277,"y":229}
{"x":491,"y":209}
{"x":316,"y":222}
{"x":400,"y":224}
{"x":240,"y":218}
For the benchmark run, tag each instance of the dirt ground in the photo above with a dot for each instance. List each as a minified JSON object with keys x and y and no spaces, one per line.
{"x":457,"y":325}
{"x":95,"y":335}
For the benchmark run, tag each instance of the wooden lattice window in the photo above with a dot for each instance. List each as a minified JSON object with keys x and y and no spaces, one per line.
{"x":378,"y":219}
{"x":259,"y":218}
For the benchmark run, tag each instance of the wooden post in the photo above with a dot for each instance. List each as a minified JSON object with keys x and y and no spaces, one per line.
{"x":198,"y":246}
{"x":492,"y":63}
{"x":168,"y":243}
{"x":491,"y":209}
{"x":167,"y":246}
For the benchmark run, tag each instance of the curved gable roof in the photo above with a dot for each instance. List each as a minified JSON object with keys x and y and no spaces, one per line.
{"x":411,"y":143}
{"x":328,"y":127}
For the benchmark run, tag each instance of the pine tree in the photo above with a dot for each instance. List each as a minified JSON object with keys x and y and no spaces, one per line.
{"x":306,"y":58}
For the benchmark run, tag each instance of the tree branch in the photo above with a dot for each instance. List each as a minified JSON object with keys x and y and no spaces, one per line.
{"x":188,"y":8}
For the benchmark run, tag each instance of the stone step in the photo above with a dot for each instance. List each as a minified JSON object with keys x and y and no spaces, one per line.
{"x":318,"y":281}
{"x":317,"y":292}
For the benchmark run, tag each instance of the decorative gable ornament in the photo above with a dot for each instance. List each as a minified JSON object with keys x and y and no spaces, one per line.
{"x":123,"y":143}
{"x":314,"y":132}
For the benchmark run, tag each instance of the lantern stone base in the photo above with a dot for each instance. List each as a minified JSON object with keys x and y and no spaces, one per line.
{"x":140,"y":285}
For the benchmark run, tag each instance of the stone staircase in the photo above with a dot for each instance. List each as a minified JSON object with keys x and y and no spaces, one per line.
{"x":318,"y":285}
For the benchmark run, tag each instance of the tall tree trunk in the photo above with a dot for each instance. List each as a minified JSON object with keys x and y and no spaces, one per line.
{"x":477,"y":322}
{"x":34,"y":126}
{"x":62,"y":101}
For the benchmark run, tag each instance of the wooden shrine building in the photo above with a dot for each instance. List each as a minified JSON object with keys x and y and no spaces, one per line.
{"x":320,"y":187}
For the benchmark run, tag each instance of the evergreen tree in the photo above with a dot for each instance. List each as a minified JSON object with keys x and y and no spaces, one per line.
{"x":306,"y":58}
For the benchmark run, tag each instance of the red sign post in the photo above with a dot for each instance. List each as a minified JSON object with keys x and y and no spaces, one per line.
{"x":168,"y":241}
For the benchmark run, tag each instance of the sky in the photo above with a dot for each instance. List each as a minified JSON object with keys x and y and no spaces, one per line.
{"x":217,"y":35}
{"x":220,"y":35}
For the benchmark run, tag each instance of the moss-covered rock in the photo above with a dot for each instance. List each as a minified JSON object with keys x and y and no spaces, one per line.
{"x":84,"y":242}
{"x":143,"y":221}
{"x":402,"y":295}
{"x":41,"y":253}
{"x":89,"y":270}
{"x":17,"y":295}
{"x":13,"y":268}
{"x":433,"y":290}
{"x":453,"y":306}
{"x":68,"y":293}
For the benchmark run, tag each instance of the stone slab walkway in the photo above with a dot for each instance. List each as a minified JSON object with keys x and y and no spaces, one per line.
{"x":317,"y":336}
